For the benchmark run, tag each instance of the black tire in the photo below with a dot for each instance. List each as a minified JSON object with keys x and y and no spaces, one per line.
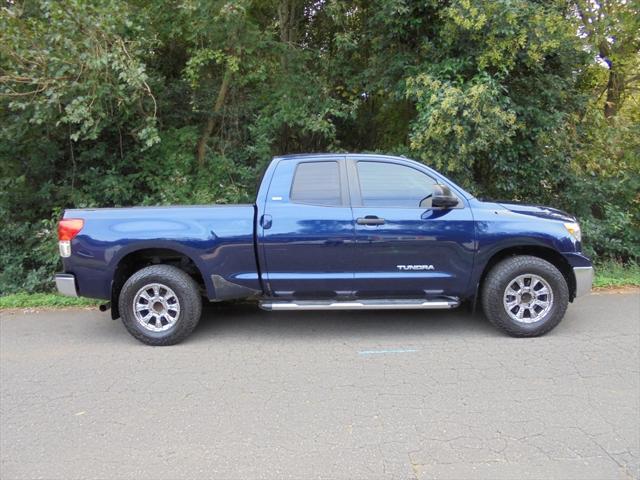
{"x":188,"y":297}
{"x":502,"y":275}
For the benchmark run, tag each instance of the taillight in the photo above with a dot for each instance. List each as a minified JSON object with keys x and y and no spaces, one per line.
{"x":67,"y":229}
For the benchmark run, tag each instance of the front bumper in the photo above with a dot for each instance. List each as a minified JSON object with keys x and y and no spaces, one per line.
{"x":584,"y":280}
{"x":66,"y":284}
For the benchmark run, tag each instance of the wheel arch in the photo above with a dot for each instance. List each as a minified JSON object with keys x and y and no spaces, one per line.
{"x":545,"y":253}
{"x":143,"y":257}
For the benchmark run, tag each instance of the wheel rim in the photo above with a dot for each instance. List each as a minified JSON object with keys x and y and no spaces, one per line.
{"x":156,"y":307}
{"x":528,"y":298}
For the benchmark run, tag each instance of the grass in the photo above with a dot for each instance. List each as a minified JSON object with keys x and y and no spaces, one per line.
{"x":46,"y":300}
{"x":613,"y":274}
{"x":608,"y":275}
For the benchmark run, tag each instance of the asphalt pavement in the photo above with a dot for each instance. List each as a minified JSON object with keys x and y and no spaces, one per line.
{"x":348,"y":395}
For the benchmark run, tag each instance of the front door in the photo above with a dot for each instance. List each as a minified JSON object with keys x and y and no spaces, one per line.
{"x":307,"y":233}
{"x":404,"y":249}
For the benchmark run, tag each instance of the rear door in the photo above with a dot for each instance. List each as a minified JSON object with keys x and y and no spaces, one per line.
{"x":307,"y":231}
{"x":404,"y":249}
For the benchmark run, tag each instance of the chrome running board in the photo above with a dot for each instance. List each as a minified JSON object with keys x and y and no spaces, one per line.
{"x":409,"y":304}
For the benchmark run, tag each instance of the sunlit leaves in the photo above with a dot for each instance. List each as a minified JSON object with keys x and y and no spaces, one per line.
{"x":459,"y":124}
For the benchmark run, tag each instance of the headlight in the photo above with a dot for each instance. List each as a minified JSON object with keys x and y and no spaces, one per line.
{"x":574,"y":229}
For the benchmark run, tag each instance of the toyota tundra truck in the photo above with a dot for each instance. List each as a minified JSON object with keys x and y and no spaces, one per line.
{"x":328,"y":232}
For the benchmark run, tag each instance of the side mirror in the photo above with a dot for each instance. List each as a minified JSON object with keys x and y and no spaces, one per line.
{"x":443,"y":198}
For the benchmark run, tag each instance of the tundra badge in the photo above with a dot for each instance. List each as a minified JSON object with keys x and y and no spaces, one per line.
{"x":415,"y":267}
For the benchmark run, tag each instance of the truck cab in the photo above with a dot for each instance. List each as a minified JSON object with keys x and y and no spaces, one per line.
{"x":363,"y":227}
{"x":332,"y":231}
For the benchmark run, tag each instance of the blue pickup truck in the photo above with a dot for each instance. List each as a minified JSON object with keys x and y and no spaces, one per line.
{"x":328,"y":232}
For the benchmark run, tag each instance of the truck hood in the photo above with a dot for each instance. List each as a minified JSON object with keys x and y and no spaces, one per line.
{"x":538,"y":211}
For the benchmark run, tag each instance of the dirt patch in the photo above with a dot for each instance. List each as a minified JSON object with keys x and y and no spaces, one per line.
{"x":625,"y":289}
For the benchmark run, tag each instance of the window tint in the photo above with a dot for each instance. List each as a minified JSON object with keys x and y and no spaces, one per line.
{"x":317,"y":183}
{"x":392,"y":185}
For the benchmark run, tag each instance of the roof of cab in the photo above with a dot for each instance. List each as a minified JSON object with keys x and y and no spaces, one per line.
{"x":338,"y":155}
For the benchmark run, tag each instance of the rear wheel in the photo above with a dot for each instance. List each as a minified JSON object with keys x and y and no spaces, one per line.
{"x":160,"y":305}
{"x":525,"y":296}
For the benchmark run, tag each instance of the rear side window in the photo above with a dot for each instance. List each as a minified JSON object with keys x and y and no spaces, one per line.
{"x":317,"y":183}
{"x":392,"y":185}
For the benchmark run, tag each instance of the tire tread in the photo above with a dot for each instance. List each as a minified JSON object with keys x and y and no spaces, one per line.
{"x":182,"y":284}
{"x":495,"y":283}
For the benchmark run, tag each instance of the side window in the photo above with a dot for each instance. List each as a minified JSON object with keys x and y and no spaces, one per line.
{"x":391,"y":185}
{"x":317,"y":183}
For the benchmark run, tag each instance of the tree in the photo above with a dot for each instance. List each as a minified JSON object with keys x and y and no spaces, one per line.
{"x":120,"y":102}
{"x":612,"y":28}
{"x":77,"y":64}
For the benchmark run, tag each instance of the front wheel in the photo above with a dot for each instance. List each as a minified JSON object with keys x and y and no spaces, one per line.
{"x":525,"y":296}
{"x":160,"y":305}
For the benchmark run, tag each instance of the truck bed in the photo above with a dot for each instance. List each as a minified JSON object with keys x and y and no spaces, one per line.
{"x":218,"y":239}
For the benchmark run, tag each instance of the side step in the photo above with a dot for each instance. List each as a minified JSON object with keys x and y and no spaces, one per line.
{"x":408,"y":304}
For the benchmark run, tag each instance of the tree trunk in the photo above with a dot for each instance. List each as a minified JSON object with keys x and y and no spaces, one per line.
{"x":615,"y":85}
{"x":290,"y":15}
{"x":211,"y":121}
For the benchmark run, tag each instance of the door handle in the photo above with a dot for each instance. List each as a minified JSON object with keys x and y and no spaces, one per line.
{"x":266,"y":221}
{"x":370,"y":220}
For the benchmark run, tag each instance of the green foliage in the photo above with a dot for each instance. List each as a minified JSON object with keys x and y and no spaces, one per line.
{"x":121,"y":103}
{"x":76,"y":64}
{"x":28,"y":255}
{"x":605,"y":192}
{"x":459,"y":125}
{"x":614,"y":274}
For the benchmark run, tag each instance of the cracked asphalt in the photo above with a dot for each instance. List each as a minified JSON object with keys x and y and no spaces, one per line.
{"x":368,"y":395}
